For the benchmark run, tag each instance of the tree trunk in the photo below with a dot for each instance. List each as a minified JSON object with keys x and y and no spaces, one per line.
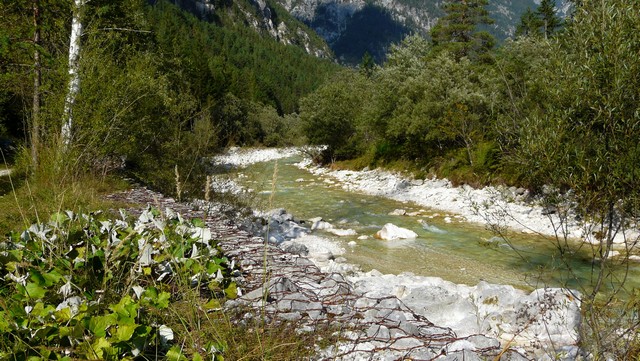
{"x":74,"y":78}
{"x":37,"y":76}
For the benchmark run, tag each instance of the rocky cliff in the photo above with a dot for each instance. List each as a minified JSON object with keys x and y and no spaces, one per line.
{"x":264,"y":16}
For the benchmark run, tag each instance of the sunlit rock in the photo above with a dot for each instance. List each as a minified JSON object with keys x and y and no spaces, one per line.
{"x":392,"y":232}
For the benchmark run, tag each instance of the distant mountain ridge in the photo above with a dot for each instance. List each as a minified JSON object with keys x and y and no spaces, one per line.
{"x":351,"y":28}
{"x":342,"y":21}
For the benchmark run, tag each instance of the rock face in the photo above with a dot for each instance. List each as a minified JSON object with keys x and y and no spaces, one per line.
{"x":392,"y":232}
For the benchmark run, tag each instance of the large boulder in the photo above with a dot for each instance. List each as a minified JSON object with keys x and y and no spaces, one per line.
{"x":392,"y":232}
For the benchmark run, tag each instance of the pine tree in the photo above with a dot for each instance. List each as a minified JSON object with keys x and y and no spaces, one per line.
{"x":457,"y":31}
{"x":529,"y":24}
{"x":549,"y":21}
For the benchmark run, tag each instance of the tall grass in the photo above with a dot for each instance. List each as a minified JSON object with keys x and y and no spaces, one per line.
{"x":30,"y":193}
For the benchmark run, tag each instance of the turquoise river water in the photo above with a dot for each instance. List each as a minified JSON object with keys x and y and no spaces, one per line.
{"x":456,"y":251}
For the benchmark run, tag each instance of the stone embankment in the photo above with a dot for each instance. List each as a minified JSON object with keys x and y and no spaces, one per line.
{"x":381,"y":317}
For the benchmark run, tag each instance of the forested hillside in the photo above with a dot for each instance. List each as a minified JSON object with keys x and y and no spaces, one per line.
{"x":155,"y":83}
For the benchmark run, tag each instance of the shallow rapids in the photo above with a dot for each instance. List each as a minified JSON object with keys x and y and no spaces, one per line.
{"x":446,"y":247}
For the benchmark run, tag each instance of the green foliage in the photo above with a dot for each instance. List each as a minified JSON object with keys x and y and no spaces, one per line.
{"x":585,"y":140}
{"x":79,"y":287}
{"x":17,"y":59}
{"x":156,"y":83}
{"x":549,"y":21}
{"x":529,"y":24}
{"x":329,"y":115}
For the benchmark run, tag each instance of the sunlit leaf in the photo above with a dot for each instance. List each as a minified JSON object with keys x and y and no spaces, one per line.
{"x":98,"y":325}
{"x":231,"y":291}
{"x":212,"y":304}
{"x":34,"y":291}
{"x":124,"y":332}
{"x":175,"y":354}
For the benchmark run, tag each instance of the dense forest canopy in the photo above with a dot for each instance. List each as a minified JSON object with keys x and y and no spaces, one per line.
{"x":156,"y":82}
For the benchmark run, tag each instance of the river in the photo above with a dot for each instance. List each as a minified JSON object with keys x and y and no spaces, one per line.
{"x":447,"y":246}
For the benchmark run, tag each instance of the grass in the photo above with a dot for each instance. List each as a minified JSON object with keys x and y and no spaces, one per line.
{"x":25,"y":200}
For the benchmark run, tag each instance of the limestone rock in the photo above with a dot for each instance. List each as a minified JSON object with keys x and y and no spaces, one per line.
{"x":392,"y":232}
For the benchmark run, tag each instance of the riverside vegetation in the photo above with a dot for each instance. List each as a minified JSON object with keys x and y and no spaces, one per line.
{"x":555,"y":109}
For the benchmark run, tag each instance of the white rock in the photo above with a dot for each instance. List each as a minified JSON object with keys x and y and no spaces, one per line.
{"x":319,"y":224}
{"x":398,"y":212}
{"x":546,"y":317}
{"x":342,"y":232}
{"x":391,"y":232}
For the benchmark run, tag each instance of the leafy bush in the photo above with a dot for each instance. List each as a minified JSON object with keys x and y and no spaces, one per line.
{"x":79,"y":287}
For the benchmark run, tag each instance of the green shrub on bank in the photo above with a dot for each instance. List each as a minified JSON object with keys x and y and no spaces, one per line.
{"x":78,"y":287}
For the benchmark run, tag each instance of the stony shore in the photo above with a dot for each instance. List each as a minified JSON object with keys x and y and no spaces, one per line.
{"x":383,"y":317}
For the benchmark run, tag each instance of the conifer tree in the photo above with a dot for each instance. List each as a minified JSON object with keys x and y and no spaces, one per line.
{"x":549,"y":21}
{"x":457,"y":31}
{"x":529,"y":24}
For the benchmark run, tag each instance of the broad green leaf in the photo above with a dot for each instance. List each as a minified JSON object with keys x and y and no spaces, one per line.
{"x":4,"y":322}
{"x":124,"y":332}
{"x":213,"y":267}
{"x":52,"y":277}
{"x":59,"y":218}
{"x":126,"y":308}
{"x":37,"y":358}
{"x":98,"y":325}
{"x":231,"y":291}
{"x":163,"y":300}
{"x":62,"y":315}
{"x":98,"y":347}
{"x":197,"y":222}
{"x":34,"y":291}
{"x":212,"y":304}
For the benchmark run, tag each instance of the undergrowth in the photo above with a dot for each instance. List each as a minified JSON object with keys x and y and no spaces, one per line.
{"x":76,"y":283}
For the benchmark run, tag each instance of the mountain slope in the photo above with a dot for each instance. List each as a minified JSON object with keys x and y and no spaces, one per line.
{"x":348,"y":26}
{"x":264,"y":16}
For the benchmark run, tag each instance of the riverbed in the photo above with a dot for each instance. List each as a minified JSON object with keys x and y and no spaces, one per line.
{"x":448,"y":244}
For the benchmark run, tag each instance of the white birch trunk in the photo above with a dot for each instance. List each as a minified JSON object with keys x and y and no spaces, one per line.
{"x":37,"y":79}
{"x":74,"y":78}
